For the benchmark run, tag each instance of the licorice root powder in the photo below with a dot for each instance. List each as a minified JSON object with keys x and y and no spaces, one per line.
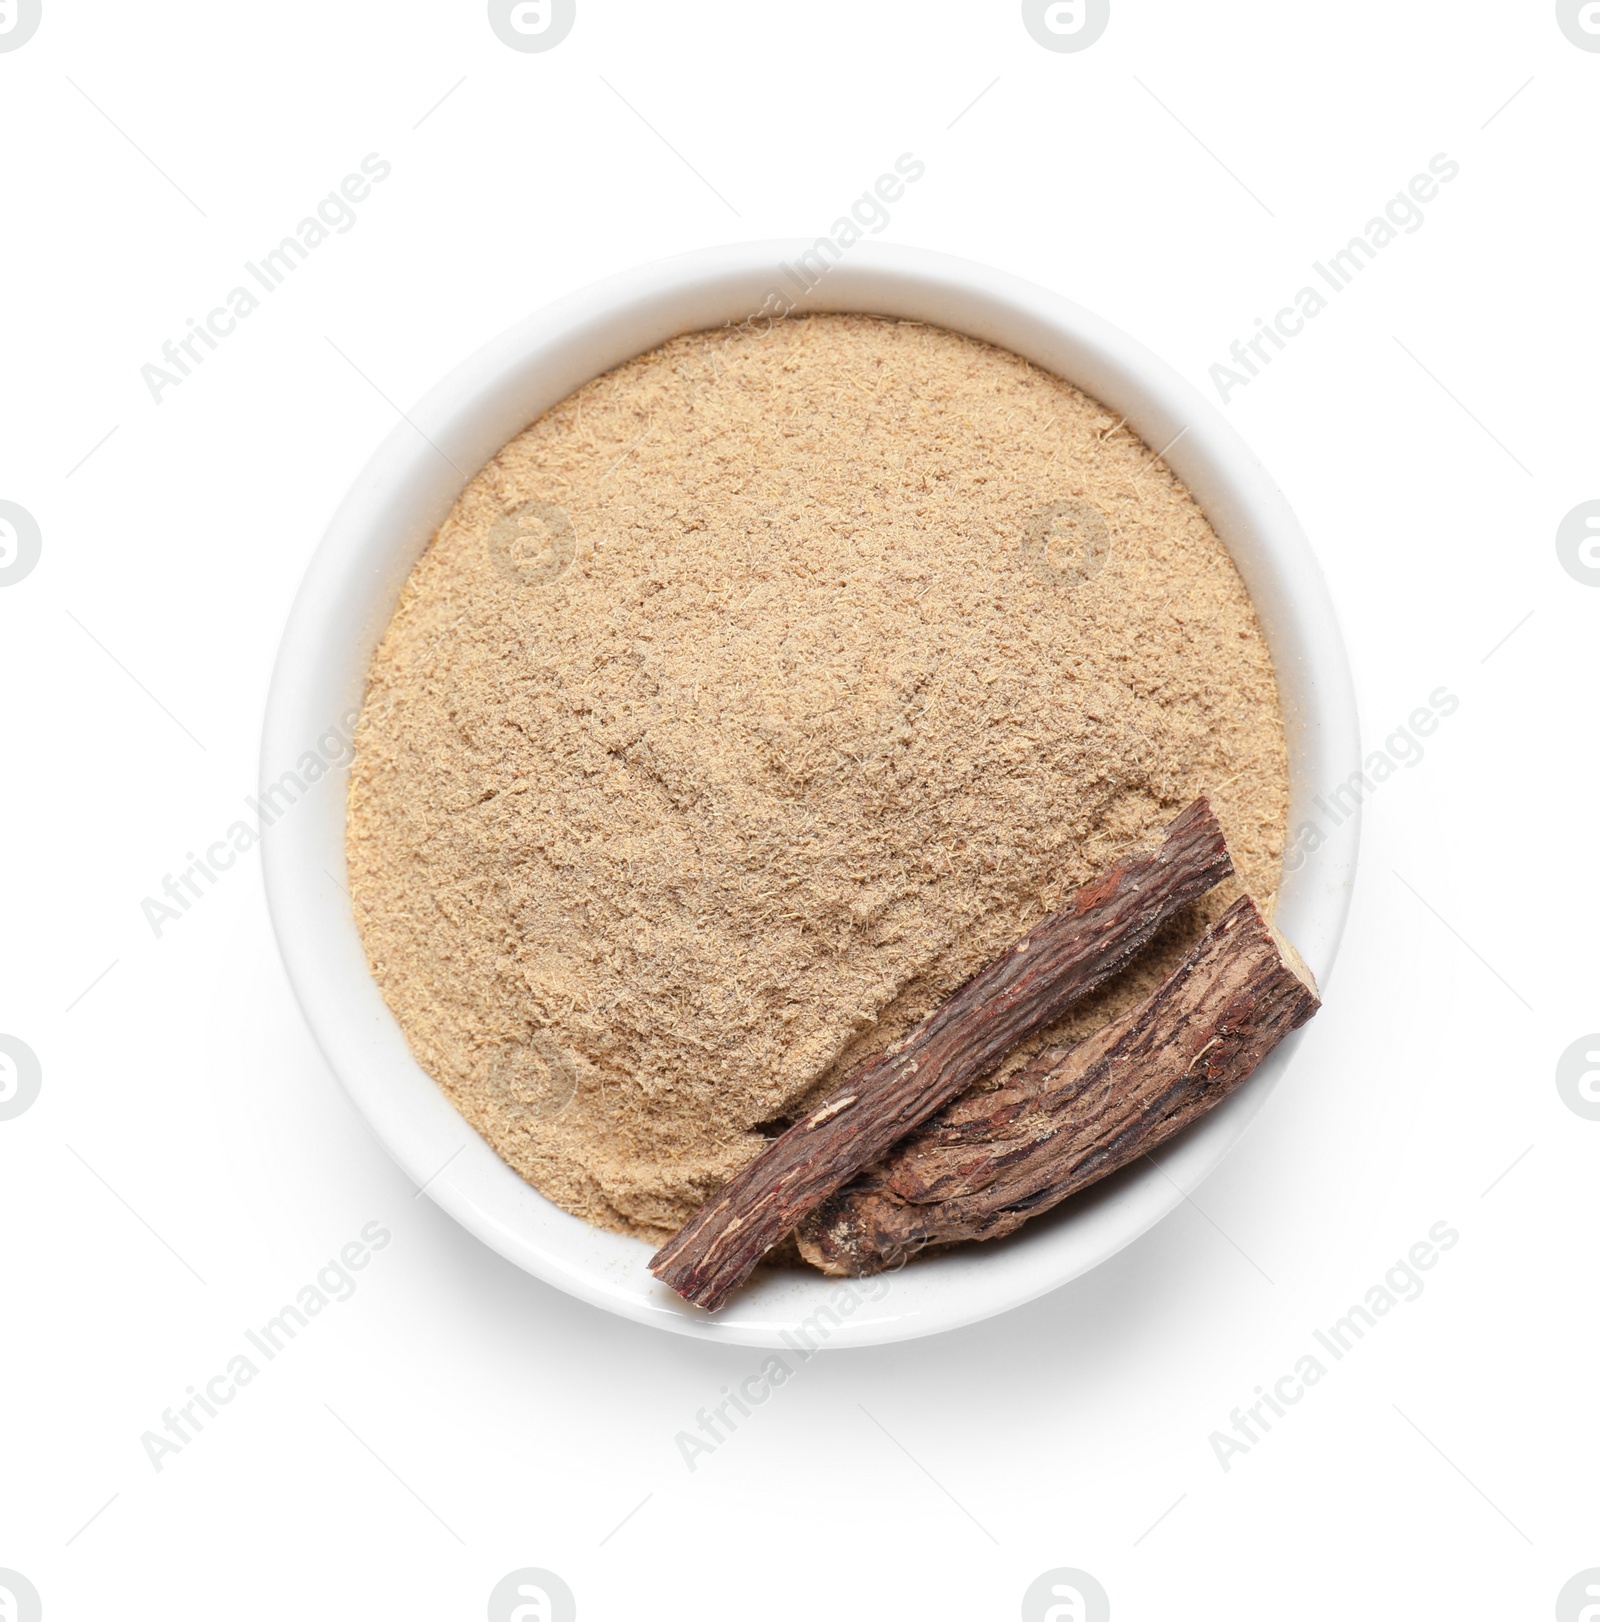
{"x":752,"y":699}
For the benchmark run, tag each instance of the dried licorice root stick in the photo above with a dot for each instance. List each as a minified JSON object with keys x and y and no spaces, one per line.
{"x":1063,"y":957}
{"x":992,"y":1160}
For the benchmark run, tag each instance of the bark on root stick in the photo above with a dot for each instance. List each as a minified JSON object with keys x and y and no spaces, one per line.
{"x":991,"y":1161}
{"x":1066,"y":955}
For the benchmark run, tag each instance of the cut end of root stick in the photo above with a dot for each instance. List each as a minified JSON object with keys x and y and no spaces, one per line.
{"x":989,"y":1163}
{"x":1102,"y":926}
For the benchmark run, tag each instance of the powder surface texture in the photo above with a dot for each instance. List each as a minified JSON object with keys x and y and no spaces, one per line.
{"x":751,"y":700}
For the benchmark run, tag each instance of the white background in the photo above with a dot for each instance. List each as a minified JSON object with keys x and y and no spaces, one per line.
{"x":456,"y":1419}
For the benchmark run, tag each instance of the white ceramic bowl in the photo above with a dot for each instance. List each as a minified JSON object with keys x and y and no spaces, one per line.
{"x":349,"y":593}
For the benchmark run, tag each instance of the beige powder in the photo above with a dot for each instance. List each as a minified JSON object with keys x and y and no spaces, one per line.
{"x":747,"y":703}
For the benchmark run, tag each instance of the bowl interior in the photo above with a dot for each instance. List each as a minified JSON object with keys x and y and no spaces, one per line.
{"x":349,"y":594}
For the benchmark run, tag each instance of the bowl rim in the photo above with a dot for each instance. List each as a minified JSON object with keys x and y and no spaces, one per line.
{"x":347,"y":597}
